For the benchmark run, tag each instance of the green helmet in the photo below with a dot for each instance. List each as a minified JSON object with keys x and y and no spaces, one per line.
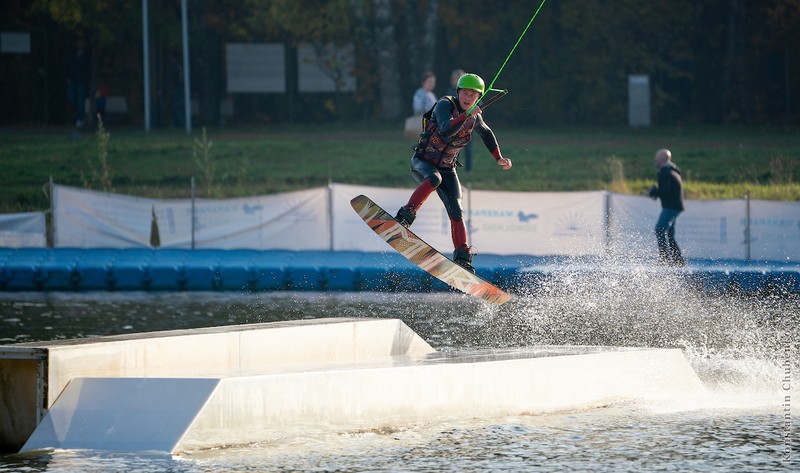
{"x":471,"y":81}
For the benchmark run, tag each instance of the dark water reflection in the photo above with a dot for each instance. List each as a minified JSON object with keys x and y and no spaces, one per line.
{"x":752,"y":326}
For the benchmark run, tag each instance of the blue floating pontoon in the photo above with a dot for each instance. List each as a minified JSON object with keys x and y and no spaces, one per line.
{"x":78,"y":269}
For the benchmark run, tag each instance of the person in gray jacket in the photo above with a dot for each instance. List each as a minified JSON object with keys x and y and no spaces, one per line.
{"x":670,"y":191}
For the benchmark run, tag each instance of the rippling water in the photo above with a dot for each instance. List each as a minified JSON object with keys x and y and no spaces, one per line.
{"x":743,"y":348}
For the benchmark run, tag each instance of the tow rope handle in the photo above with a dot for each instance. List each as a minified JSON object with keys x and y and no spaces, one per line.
{"x":500,"y":94}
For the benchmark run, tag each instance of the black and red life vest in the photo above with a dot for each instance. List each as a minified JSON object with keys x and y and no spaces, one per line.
{"x":435,"y":148}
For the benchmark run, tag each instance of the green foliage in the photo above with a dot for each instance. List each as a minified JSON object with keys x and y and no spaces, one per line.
{"x":201,"y":152}
{"x":101,"y":169}
{"x":617,"y":171}
{"x":709,"y":62}
{"x":717,"y":163}
{"x":90,"y":18}
{"x":782,"y":169}
{"x":331,"y":20}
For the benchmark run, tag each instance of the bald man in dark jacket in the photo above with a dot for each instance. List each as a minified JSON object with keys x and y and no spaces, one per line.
{"x":670,"y":191}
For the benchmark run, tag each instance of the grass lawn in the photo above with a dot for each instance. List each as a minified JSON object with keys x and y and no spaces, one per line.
{"x":718,"y":163}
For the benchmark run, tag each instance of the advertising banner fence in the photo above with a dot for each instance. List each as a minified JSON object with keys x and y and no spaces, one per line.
{"x":291,"y":221}
{"x":774,"y":230}
{"x":707,"y":228}
{"x":532,"y":223}
{"x":23,"y":230}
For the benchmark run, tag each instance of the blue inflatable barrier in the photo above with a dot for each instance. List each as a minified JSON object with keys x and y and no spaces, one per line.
{"x":4,"y":252}
{"x":93,"y":269}
{"x":23,"y":270}
{"x":270,"y":270}
{"x":130,"y":270}
{"x":304,"y":273}
{"x":165,"y":270}
{"x":59,"y":270}
{"x":389,"y":272}
{"x":201,"y":271}
{"x":137,"y":269}
{"x":340,"y":270}
{"x":236,"y":270}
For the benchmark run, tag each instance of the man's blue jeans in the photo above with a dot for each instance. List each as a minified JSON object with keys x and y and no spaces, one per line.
{"x":668,"y":251}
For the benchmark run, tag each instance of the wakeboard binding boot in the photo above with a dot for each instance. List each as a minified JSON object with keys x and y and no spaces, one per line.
{"x":463,"y":257}
{"x":405,"y":216}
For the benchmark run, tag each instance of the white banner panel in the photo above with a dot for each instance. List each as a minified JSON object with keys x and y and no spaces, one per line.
{"x":499,"y":222}
{"x":15,"y":43}
{"x":631,"y":222}
{"x":774,"y":230}
{"x":318,"y":65}
{"x":711,"y":229}
{"x":23,"y":230}
{"x":255,"y":67}
{"x":293,"y":221}
{"x":288,"y":221}
{"x":706,"y":229}
{"x":350,"y":232}
{"x":86,"y":219}
{"x":537,"y":223}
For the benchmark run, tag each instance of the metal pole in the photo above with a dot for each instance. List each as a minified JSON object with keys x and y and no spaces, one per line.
{"x":52,"y":230}
{"x":193,"y":216}
{"x":786,"y":87}
{"x":469,"y":214}
{"x":747,"y":226}
{"x":187,"y":93}
{"x":607,"y":222}
{"x":46,"y":83}
{"x":146,"y":56}
{"x":330,"y":215}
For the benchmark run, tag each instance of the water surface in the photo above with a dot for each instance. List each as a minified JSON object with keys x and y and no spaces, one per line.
{"x":743,"y":348}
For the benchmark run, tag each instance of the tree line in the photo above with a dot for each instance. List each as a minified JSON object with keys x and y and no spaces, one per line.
{"x":710,"y":62}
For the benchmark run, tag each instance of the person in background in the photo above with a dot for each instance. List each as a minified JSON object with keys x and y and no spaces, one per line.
{"x":175,"y":85}
{"x":78,"y":76}
{"x":670,"y":191}
{"x":433,"y":164}
{"x":454,"y":76}
{"x":424,"y":98}
{"x":100,"y":101}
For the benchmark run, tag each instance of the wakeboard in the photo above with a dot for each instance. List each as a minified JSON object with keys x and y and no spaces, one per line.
{"x":423,"y":255}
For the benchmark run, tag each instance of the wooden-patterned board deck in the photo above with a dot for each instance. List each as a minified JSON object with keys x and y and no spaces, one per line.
{"x":423,"y":255}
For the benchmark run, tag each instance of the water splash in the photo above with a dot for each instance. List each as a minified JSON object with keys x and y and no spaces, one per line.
{"x":740,"y":346}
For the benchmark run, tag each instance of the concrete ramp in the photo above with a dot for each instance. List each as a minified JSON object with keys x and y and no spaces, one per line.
{"x":122,"y":414}
{"x":34,"y":374}
{"x":511,"y":383}
{"x":190,"y":414}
